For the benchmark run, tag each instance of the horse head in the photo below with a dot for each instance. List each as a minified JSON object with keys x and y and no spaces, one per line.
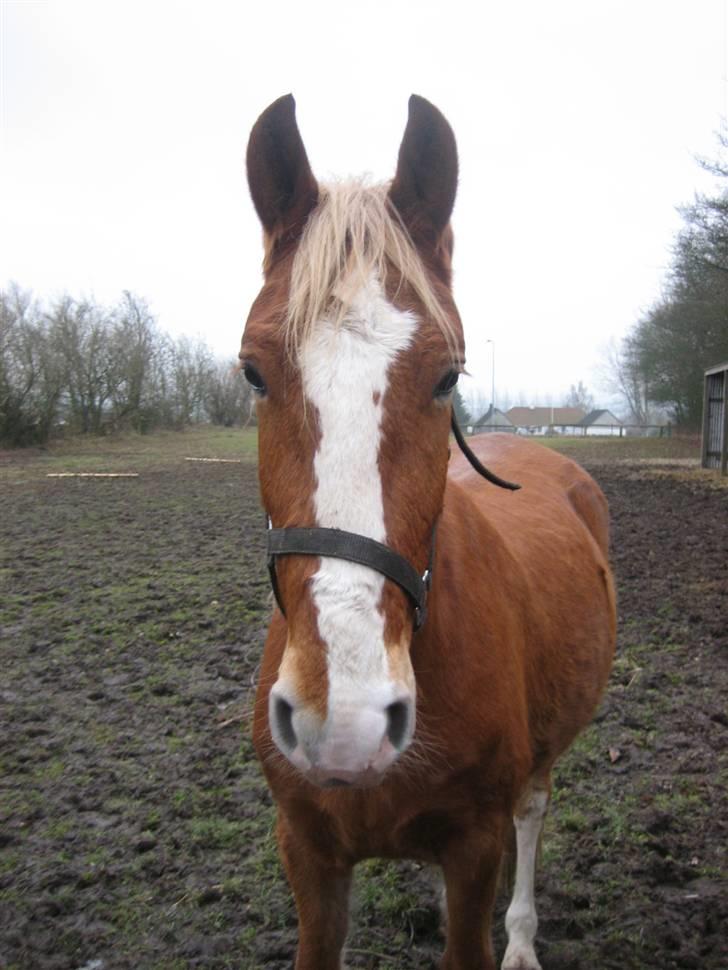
{"x":353,"y":348}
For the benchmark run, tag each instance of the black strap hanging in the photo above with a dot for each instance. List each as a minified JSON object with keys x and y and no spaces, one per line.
{"x":475,"y":461}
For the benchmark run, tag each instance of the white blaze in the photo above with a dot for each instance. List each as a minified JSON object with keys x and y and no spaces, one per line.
{"x":345,"y":371}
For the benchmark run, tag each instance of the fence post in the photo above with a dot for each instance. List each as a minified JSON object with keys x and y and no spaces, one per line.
{"x":705,"y":430}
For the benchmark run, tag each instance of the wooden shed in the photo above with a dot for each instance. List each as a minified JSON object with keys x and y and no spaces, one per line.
{"x":715,"y":418}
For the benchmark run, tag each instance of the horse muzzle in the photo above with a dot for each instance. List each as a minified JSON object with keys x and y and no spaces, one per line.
{"x":364,"y":734}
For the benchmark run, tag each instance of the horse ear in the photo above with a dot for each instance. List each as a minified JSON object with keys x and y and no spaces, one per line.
{"x":423,"y":189}
{"x":282,"y":185}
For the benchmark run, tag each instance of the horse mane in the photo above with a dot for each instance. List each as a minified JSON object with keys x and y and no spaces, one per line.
{"x":352,"y":235}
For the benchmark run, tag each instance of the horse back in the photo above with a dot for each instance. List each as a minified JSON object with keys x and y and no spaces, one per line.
{"x":545,"y":476}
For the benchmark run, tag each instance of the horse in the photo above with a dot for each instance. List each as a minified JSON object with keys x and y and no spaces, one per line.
{"x":437,"y":642}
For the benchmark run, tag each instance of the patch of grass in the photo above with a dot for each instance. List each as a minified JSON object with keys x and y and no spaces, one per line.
{"x":582,"y":447}
{"x":680,"y":803}
{"x":52,"y":770}
{"x":129,"y":914}
{"x":59,"y":829}
{"x":9,"y":862}
{"x":573,"y":820}
{"x":218,"y":833}
{"x":618,"y":821}
{"x":178,"y":744}
{"x":246,"y":937}
{"x":586,"y":752}
{"x":97,"y":857}
{"x":13,"y":607}
{"x":707,"y":477}
{"x":234,"y":888}
{"x":383,"y":894}
{"x":162,"y":450}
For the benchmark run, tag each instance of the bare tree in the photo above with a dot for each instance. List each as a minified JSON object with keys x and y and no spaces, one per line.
{"x":31,"y":378}
{"x":136,"y":351}
{"x":16,"y":377}
{"x":621,"y":376}
{"x":79,"y":332}
{"x":229,"y":397}
{"x":89,"y":369}
{"x":686,"y":330}
{"x":477,"y":402}
{"x":505,"y":401}
{"x":191,"y":366}
{"x":579,"y":397}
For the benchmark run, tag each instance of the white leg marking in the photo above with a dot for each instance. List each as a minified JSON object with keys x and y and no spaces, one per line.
{"x":521,"y":918}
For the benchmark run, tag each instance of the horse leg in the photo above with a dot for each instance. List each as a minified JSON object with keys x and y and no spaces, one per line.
{"x":521,"y":918}
{"x":471,"y":879}
{"x":321,"y":891}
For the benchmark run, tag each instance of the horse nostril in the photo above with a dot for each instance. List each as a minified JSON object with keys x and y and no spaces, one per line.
{"x":397,"y":723}
{"x":283,"y":714}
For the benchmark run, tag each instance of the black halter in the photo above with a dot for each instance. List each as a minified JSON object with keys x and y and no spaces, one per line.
{"x":352,"y":547}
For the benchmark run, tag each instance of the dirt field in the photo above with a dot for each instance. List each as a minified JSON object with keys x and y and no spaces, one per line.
{"x":135,"y":831}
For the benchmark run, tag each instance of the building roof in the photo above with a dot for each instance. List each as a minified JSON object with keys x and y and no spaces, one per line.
{"x":598,"y":416}
{"x":495,"y":418}
{"x":540,"y":417}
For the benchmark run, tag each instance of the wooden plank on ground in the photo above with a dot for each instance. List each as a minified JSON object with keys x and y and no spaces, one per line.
{"x":224,"y":461}
{"x":92,"y":475}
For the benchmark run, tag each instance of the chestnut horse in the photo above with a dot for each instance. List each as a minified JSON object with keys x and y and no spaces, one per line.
{"x":382,"y":730}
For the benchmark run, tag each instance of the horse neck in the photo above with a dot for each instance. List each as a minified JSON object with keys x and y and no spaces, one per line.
{"x":473,"y":572}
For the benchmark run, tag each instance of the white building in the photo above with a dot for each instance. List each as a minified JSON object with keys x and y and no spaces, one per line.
{"x":601,"y":422}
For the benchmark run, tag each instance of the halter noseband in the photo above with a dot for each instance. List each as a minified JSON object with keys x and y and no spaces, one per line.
{"x":350,"y":546}
{"x":353,"y":548}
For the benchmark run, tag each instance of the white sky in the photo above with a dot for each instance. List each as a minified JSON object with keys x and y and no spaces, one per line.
{"x":124,"y":128}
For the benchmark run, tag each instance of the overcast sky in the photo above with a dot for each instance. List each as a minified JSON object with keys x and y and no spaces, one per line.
{"x":124,"y":128}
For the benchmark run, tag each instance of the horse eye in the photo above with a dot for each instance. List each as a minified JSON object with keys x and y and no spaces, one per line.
{"x":254,"y":379}
{"x":443,"y":388}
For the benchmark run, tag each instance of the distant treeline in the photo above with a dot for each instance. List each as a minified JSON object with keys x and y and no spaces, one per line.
{"x":662,"y":359}
{"x":77,"y":367}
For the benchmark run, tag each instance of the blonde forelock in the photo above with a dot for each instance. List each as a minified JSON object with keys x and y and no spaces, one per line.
{"x":353,"y":234}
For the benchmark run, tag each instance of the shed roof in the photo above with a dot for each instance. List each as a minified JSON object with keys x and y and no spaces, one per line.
{"x":538,"y":417}
{"x":597,"y":416}
{"x":494,"y":417}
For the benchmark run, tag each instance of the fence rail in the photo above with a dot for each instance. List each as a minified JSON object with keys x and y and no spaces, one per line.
{"x":575,"y":430}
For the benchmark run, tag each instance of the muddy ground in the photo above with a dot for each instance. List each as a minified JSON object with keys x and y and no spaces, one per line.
{"x":136,"y":830}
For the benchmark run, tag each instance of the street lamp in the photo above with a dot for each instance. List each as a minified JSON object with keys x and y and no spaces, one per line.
{"x":492,"y":382}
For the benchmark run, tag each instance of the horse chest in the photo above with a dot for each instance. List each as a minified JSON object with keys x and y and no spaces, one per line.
{"x":392,"y":823}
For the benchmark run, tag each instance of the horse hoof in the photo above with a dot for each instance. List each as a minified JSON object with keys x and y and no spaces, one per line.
{"x":520,"y":958}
